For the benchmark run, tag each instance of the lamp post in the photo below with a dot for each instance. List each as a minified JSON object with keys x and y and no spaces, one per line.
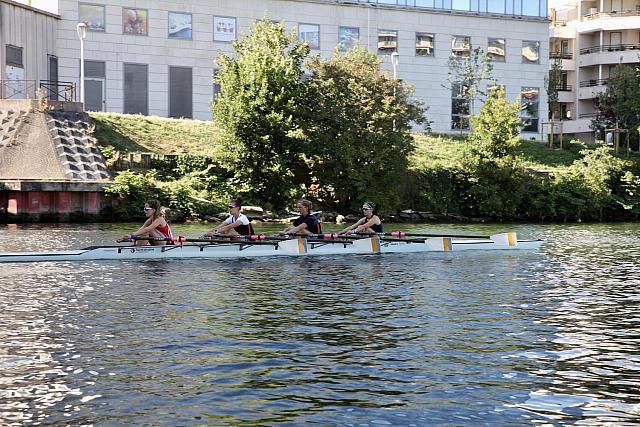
{"x":394,"y":63}
{"x":81,"y":28}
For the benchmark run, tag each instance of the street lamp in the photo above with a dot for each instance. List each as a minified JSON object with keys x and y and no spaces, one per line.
{"x":81,"y":28}
{"x":394,"y":62}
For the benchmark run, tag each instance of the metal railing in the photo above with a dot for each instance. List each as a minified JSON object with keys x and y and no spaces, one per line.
{"x":610,"y":48}
{"x":58,"y":91}
{"x":611,"y":14}
{"x":587,"y":115}
{"x":28,"y":89}
{"x":18,"y":89}
{"x":560,"y":55}
{"x":593,"y":83}
{"x":564,"y":88}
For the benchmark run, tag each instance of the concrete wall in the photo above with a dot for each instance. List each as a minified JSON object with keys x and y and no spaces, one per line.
{"x":34,"y":31}
{"x":427,"y":74}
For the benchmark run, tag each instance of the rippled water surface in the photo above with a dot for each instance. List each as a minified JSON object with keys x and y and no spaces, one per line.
{"x":546,"y":337}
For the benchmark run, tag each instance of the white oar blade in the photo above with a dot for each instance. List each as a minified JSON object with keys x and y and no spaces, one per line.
{"x":293,"y":246}
{"x":439,"y":244}
{"x":505,"y":239}
{"x":370,"y":245}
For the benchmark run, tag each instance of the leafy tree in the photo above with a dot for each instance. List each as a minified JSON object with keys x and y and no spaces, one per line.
{"x":494,"y":132}
{"x":552,"y":83}
{"x":466,"y":74}
{"x":357,"y":130}
{"x":620,"y":102}
{"x":256,"y":110}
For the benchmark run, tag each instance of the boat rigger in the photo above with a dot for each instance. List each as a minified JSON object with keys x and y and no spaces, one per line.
{"x":284,"y":246}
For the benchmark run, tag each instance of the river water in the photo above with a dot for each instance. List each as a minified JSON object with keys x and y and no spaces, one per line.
{"x":545,"y":337}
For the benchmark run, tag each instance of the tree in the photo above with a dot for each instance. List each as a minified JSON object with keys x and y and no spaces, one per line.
{"x":357,"y":131}
{"x":465,"y":75}
{"x":619,"y":104}
{"x":552,"y":83}
{"x":261,"y":89}
{"x":494,"y":131}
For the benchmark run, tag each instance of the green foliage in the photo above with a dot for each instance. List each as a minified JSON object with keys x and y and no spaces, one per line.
{"x":469,"y":72}
{"x":552,"y":83}
{"x":260,"y":91}
{"x":129,"y":192}
{"x":620,"y":102}
{"x":357,"y":121}
{"x":494,"y":131}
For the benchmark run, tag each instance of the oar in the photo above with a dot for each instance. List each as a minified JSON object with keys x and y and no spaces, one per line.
{"x":150,"y":239}
{"x":403,"y":234}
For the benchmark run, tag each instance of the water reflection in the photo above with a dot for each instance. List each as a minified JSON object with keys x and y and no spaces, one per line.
{"x":451,"y":339}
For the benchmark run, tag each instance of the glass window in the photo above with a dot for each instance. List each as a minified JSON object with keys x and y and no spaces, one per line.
{"x":496,"y":50}
{"x":460,"y":46}
{"x":387,"y":41}
{"x":531,"y":7}
{"x":180,"y":92}
{"x":311,"y":34}
{"x":180,"y":25}
{"x":529,"y":108}
{"x":14,"y":56}
{"x":530,"y":52}
{"x":224,"y":28}
{"x":348,"y":37}
{"x":424,"y":3}
{"x":496,"y":6}
{"x":135,"y":21}
{"x":93,"y":16}
{"x":460,"y":4}
{"x":459,"y":108}
{"x":424,"y":44}
{"x":136,"y":89}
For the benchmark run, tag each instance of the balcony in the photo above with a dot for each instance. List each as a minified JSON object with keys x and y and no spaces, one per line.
{"x":610,"y":54}
{"x":560,"y":55}
{"x":609,"y":21}
{"x":566,"y":94}
{"x":590,"y":89}
{"x":611,"y":14}
{"x":28,"y":89}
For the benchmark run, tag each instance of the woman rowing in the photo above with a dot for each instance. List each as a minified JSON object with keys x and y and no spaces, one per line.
{"x":370,"y":223}
{"x":237,"y":224}
{"x":155,"y":230}
{"x":306,"y":223}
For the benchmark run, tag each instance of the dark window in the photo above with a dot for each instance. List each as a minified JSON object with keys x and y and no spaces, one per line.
{"x":95,"y":69}
{"x":136,"y":90}
{"x":180,"y":92}
{"x":14,"y":56}
{"x":459,"y":107}
{"x":52,"y":89}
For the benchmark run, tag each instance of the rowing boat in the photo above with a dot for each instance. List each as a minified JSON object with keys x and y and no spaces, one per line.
{"x":297,"y":246}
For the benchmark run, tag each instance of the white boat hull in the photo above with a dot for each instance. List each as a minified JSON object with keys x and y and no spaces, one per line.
{"x":296,"y":247}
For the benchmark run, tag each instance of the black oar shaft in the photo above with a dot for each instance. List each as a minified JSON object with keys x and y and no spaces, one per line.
{"x":401,"y":234}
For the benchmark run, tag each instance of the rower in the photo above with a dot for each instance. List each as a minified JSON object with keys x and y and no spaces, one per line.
{"x":237,"y":224}
{"x":370,"y":223}
{"x":155,"y":227}
{"x":306,"y":223}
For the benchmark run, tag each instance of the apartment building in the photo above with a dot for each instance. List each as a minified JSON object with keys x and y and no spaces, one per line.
{"x":156,"y":57}
{"x":588,"y":39}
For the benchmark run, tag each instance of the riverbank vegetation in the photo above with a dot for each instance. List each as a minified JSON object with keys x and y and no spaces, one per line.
{"x":341,"y":135}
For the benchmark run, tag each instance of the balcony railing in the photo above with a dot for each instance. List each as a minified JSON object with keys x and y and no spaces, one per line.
{"x":609,"y":48}
{"x":560,"y":55}
{"x":612,"y":14}
{"x":27,"y":89}
{"x":593,"y":83}
{"x":564,"y":88}
{"x":588,"y":115}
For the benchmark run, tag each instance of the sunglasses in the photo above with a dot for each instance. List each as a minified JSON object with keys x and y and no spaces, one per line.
{"x":148,"y":209}
{"x":366,"y":209}
{"x":231,"y":207}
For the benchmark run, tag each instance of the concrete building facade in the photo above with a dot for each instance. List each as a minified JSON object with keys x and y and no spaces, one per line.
{"x":589,"y":38}
{"x":156,"y":57}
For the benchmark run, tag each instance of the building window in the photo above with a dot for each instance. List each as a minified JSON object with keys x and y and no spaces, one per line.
{"x":136,"y":89}
{"x":530,"y":52}
{"x":180,"y":26}
{"x":460,"y":5}
{"x":531,"y":8}
{"x":224,"y":28}
{"x":459,"y":107}
{"x":496,"y":49}
{"x":425,"y":44}
{"x":387,"y":41}
{"x":135,"y":21}
{"x":461,"y":46}
{"x":495,"y":6}
{"x":216,"y":84}
{"x":95,"y":76}
{"x":93,"y":16}
{"x":14,"y":56}
{"x":529,"y":108}
{"x":180,"y":92}
{"x":310,"y":33}
{"x":348,"y":37}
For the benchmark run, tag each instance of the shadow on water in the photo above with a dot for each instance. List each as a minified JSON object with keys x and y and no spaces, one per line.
{"x":482,"y":338}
